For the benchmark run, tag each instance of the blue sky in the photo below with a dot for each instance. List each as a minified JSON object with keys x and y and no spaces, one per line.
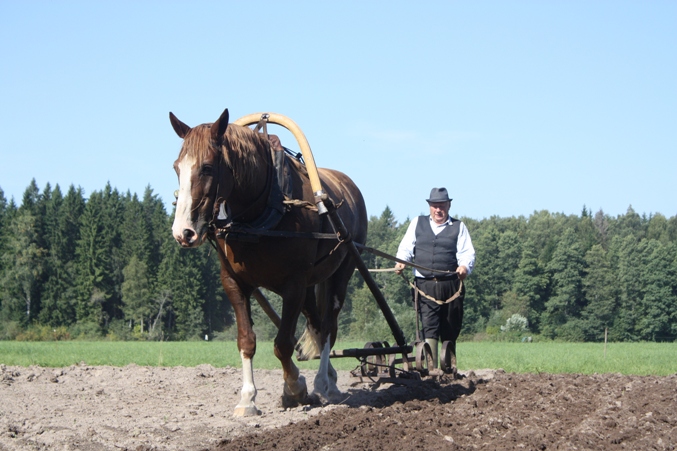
{"x":514,"y":106}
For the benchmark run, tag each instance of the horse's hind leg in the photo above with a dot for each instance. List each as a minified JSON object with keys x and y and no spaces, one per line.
{"x":308,"y":346}
{"x":295,"y":391}
{"x":330,"y":297}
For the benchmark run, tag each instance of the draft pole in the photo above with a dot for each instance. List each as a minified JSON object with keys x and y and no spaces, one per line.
{"x":347,"y":240}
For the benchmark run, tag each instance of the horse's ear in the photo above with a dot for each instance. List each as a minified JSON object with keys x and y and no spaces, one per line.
{"x":219,"y":127}
{"x":180,"y":128}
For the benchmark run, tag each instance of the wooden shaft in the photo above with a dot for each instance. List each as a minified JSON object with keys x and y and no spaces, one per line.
{"x":267,"y":308}
{"x":364,"y":271}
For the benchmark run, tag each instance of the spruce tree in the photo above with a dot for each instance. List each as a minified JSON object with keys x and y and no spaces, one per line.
{"x":566,"y":301}
{"x":601,"y":294}
{"x":658,"y":302}
{"x":23,"y":264}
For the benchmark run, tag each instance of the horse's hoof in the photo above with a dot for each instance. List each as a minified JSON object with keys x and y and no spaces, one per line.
{"x":314,"y":400}
{"x":249,"y":411}
{"x":294,"y":398}
{"x":289,"y":401}
{"x":335,"y":396}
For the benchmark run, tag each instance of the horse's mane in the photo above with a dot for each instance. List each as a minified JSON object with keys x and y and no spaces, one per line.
{"x":239,"y":149}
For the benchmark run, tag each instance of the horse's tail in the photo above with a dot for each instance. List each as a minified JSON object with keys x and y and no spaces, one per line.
{"x":307,"y":346}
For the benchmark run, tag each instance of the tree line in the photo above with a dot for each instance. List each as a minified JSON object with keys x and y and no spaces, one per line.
{"x":107,"y":266}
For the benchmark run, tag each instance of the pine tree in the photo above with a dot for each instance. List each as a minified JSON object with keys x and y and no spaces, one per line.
{"x":625,"y":255}
{"x":531,"y":282}
{"x":136,"y":231}
{"x":658,"y":229}
{"x":486,"y":286}
{"x":52,"y":284}
{"x":566,"y":301}
{"x":630,"y":224}
{"x":658,"y":302}
{"x":179,"y":278}
{"x":4,"y":221}
{"x":111,"y":240}
{"x":136,"y":293}
{"x":60,"y":290}
{"x":23,"y":265}
{"x":93,"y":264}
{"x":159,"y":228}
{"x":601,"y":294}
{"x":509,"y":256}
{"x":601,"y":224}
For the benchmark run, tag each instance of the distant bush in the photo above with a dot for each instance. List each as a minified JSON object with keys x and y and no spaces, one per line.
{"x":44,"y":333}
{"x":9,"y":330}
{"x":516,"y":322}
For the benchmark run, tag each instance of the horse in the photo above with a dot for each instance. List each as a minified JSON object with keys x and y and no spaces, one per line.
{"x":226,"y":167}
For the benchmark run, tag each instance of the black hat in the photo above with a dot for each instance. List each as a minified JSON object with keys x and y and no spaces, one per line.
{"x":439,"y":195}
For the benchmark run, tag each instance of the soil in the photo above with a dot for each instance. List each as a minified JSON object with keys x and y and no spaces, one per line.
{"x":147,"y":408}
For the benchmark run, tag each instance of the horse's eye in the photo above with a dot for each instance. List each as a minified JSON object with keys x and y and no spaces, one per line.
{"x":206,"y":169}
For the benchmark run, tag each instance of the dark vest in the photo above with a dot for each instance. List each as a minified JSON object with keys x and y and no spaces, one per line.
{"x":436,"y":251}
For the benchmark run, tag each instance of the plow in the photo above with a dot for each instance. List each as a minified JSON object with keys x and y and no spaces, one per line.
{"x":378,"y":360}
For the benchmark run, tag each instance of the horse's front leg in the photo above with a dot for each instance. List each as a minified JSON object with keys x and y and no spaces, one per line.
{"x":295,"y":390}
{"x":246,"y":344}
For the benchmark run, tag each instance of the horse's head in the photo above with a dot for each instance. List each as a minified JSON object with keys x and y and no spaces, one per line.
{"x":203,"y":177}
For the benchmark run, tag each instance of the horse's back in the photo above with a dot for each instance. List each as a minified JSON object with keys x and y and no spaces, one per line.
{"x":342,"y":190}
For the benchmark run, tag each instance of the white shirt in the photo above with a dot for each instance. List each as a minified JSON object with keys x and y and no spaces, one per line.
{"x":465,"y":252}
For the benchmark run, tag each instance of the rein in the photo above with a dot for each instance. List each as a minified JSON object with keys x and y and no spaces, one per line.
{"x":226,"y":231}
{"x":239,"y":233}
{"x":414,"y":265}
{"x":371,"y":250}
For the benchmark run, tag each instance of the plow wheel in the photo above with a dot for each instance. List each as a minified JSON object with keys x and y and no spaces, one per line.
{"x":448,"y":357}
{"x":424,"y":358}
{"x":374,"y":363}
{"x":392,"y":369}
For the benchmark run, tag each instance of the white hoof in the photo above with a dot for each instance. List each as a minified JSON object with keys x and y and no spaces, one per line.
{"x":248,"y":411}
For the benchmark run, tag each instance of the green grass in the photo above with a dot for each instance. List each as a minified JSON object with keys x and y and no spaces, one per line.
{"x":56,"y":354}
{"x":554,"y":357}
{"x":542,"y":357}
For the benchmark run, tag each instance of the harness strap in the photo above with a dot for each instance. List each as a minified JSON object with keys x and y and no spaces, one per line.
{"x":438,"y":302}
{"x":404,"y":262}
{"x":275,"y":233}
{"x":263,"y":123}
{"x":300,"y":203}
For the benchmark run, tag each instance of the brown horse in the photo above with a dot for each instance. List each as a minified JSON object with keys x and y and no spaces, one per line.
{"x":226,"y":165}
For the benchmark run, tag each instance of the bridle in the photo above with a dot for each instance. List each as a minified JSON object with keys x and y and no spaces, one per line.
{"x":214,"y":223}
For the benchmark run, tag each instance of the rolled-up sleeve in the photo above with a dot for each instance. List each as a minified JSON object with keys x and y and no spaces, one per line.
{"x":465,"y":252}
{"x":406,"y":249}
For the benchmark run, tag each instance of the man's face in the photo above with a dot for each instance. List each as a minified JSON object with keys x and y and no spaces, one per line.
{"x":439,"y":211}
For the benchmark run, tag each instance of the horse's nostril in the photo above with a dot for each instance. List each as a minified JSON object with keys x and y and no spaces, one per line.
{"x":188,"y":235}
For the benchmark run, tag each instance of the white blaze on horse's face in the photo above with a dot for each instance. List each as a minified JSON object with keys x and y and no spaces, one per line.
{"x":186,"y":231}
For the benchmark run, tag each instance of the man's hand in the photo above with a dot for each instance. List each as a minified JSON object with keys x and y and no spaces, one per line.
{"x":462,"y":272}
{"x":399,"y":267}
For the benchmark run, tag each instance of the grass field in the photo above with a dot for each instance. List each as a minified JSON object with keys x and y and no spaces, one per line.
{"x":587,"y":358}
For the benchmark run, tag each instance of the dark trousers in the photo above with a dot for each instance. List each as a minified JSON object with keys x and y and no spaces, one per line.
{"x":441,"y":322}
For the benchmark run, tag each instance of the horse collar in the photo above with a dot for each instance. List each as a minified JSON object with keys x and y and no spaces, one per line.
{"x":275,"y":207}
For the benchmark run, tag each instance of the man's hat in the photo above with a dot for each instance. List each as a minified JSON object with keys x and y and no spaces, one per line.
{"x":439,"y":195}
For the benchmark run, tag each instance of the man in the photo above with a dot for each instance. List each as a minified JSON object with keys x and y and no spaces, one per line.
{"x":442,"y":243}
